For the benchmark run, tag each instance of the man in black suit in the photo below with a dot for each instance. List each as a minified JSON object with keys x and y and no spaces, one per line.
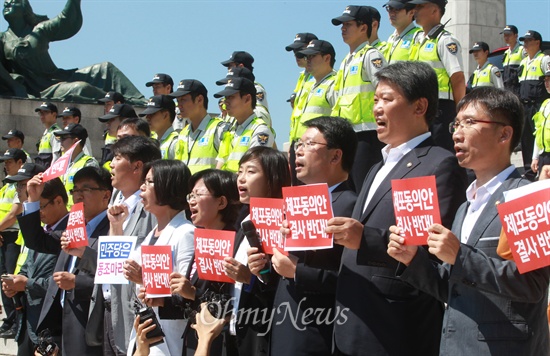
{"x":68,"y":296}
{"x":386,"y":316}
{"x":491,"y":307}
{"x":304,"y":299}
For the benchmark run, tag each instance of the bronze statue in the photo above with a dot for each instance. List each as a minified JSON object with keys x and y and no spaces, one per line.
{"x":27,"y":69}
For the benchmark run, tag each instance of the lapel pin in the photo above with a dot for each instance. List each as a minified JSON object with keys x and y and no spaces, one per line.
{"x":409,"y":165}
{"x":497,"y":202}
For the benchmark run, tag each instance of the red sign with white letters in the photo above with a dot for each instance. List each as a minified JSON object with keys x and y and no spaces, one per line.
{"x":156,"y":267}
{"x":76,"y":227}
{"x":416,"y":207}
{"x":59,"y":167}
{"x":268,"y":215}
{"x":307,"y":209}
{"x":211,"y":247}
{"x":526,"y":222}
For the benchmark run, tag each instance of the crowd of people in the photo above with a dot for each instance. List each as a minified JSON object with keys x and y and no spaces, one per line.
{"x":394,"y":109}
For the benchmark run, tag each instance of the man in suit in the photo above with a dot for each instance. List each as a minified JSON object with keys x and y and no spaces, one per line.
{"x":68,"y":296}
{"x":491,"y":307}
{"x":384,"y":315}
{"x":111,"y":309}
{"x":324,"y":154}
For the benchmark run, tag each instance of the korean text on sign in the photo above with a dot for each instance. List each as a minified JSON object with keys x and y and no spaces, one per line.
{"x":307,"y":210}
{"x":76,"y":227}
{"x":112,"y":252}
{"x":59,"y":167}
{"x":211,"y":247}
{"x":267,"y":216}
{"x":156,"y":265}
{"x":416,"y":207}
{"x":526,"y":222}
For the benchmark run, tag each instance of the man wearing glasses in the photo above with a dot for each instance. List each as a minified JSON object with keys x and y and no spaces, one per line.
{"x":69,"y":293}
{"x":491,"y":307}
{"x":399,"y":45}
{"x":387,"y":316}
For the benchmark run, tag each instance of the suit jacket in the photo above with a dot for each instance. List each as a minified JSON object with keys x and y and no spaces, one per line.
{"x":492,"y":308}
{"x":386,"y":316}
{"x":139,"y":224}
{"x":313,"y":288}
{"x":73,"y":316}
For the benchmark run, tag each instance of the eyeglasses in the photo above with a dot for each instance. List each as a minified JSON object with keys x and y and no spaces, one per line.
{"x":83,"y":190}
{"x":307,"y":144}
{"x":42,"y":207}
{"x":196,"y":196}
{"x":467,"y":123}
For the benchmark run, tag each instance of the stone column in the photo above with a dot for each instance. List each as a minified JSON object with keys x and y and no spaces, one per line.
{"x":476,"y":20}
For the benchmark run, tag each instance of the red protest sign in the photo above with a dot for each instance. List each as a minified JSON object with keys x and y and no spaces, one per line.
{"x":76,"y":227}
{"x":526,"y":222}
{"x":416,"y":207}
{"x":267,"y":216}
{"x":307,"y":209}
{"x":156,"y":266}
{"x":211,"y":246}
{"x":59,"y":167}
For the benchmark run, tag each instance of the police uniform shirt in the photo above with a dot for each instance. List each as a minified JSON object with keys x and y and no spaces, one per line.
{"x":403,"y":40}
{"x":379,"y":45}
{"x":172,"y":144}
{"x":262,"y":136}
{"x":56,"y":146}
{"x":197,"y":135}
{"x":373,"y":61}
{"x":545,"y":112}
{"x":262,"y":109}
{"x":449,"y":50}
{"x":544,"y":65}
{"x":494,"y":74}
{"x":330,"y":93}
{"x":508,"y":53}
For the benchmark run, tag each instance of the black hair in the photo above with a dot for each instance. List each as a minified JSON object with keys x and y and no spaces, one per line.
{"x":54,"y":188}
{"x":274,"y":165}
{"x":170,"y":182}
{"x":499,"y":104}
{"x":221,"y":183}
{"x":98,"y":174}
{"x":415,"y":80}
{"x":339,"y":134}
{"x":252,"y":97}
{"x":194,"y":95}
{"x":138,"y":124}
{"x":137,"y":148}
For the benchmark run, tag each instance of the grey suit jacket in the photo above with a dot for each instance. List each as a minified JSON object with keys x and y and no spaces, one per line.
{"x":492,"y":308}
{"x":139,"y":224}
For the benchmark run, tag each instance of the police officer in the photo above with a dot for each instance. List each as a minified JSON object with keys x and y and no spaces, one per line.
{"x":355,"y":84}
{"x":541,"y":120}
{"x":249,"y":131}
{"x":531,"y":91}
{"x":161,"y":113}
{"x":399,"y":44}
{"x":199,"y":142}
{"x":441,"y":50}
{"x":48,"y":147}
{"x":162,"y":84}
{"x":486,"y":74}
{"x":72,"y":115}
{"x":245,"y":59}
{"x":110,"y":99}
{"x":16,"y":139}
{"x":512,"y":58}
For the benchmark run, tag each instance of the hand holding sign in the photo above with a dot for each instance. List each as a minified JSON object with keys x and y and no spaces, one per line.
{"x":347,"y":232}
{"x":443,"y":243}
{"x":65,"y":242}
{"x":397,"y":248}
{"x":59,"y":167}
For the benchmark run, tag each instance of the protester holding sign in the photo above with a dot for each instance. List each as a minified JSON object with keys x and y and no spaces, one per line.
{"x":386,"y":315}
{"x":263,"y":172}
{"x":163,"y":194}
{"x":491,"y":307}
{"x":324,"y":154}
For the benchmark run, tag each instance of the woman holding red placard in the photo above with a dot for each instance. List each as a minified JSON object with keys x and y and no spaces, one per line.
{"x":263,"y":172}
{"x":163,"y":194}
